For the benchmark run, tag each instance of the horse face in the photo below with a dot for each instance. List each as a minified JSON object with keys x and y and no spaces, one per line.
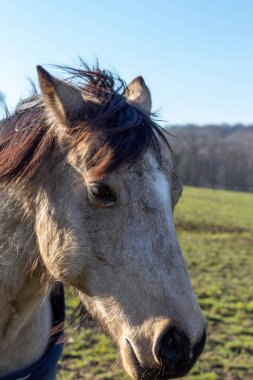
{"x":138,"y":286}
{"x":114,"y":239}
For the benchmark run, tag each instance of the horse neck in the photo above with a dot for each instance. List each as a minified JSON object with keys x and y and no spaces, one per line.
{"x":25,"y":316}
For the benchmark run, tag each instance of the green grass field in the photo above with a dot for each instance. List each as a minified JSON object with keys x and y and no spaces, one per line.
{"x":215,"y":230}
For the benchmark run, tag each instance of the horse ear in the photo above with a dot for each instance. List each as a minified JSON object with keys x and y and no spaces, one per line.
{"x":138,"y":93}
{"x":62,"y":101}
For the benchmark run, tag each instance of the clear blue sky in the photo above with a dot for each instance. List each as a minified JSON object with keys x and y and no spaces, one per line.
{"x":195,"y":55}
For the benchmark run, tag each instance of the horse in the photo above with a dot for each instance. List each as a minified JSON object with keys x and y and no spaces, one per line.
{"x":88,"y":189}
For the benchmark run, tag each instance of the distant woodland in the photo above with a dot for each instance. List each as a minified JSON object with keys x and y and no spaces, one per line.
{"x":215,"y":156}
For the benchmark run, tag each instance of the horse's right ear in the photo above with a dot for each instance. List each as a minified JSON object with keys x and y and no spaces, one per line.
{"x":62,"y":101}
{"x":137,"y":93}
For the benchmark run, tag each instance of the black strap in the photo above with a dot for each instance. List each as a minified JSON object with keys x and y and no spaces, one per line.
{"x":58,"y":310}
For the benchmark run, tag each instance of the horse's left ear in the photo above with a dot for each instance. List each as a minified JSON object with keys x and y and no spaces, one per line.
{"x":62,"y":101}
{"x":138,"y":93}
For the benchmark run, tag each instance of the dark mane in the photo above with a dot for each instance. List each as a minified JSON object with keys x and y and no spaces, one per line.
{"x":25,"y":140}
{"x":114,"y":131}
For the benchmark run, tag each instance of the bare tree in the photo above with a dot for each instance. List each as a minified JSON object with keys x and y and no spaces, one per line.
{"x":3,"y":107}
{"x":2,"y":97}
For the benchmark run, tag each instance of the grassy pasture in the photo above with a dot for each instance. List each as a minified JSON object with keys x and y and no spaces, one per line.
{"x":215,"y":230}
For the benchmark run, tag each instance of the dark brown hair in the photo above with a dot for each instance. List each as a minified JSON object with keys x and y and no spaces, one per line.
{"x":114,"y":130}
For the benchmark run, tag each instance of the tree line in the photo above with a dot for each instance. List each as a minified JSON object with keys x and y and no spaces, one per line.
{"x":215,"y":156}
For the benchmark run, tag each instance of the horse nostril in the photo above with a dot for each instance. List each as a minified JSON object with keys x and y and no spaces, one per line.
{"x":169,"y":347}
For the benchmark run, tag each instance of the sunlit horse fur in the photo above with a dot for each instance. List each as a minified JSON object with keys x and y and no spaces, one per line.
{"x":87,"y":193}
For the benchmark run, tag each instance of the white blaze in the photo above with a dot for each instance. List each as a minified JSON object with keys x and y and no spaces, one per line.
{"x":162,"y":187}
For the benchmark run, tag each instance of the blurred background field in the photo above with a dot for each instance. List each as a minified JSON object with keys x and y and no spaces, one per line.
{"x":215,"y":229}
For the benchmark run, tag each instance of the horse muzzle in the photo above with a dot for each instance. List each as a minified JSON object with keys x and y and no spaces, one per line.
{"x":171,"y":356}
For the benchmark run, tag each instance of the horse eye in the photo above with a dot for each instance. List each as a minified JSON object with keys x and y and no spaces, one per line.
{"x":102,"y":193}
